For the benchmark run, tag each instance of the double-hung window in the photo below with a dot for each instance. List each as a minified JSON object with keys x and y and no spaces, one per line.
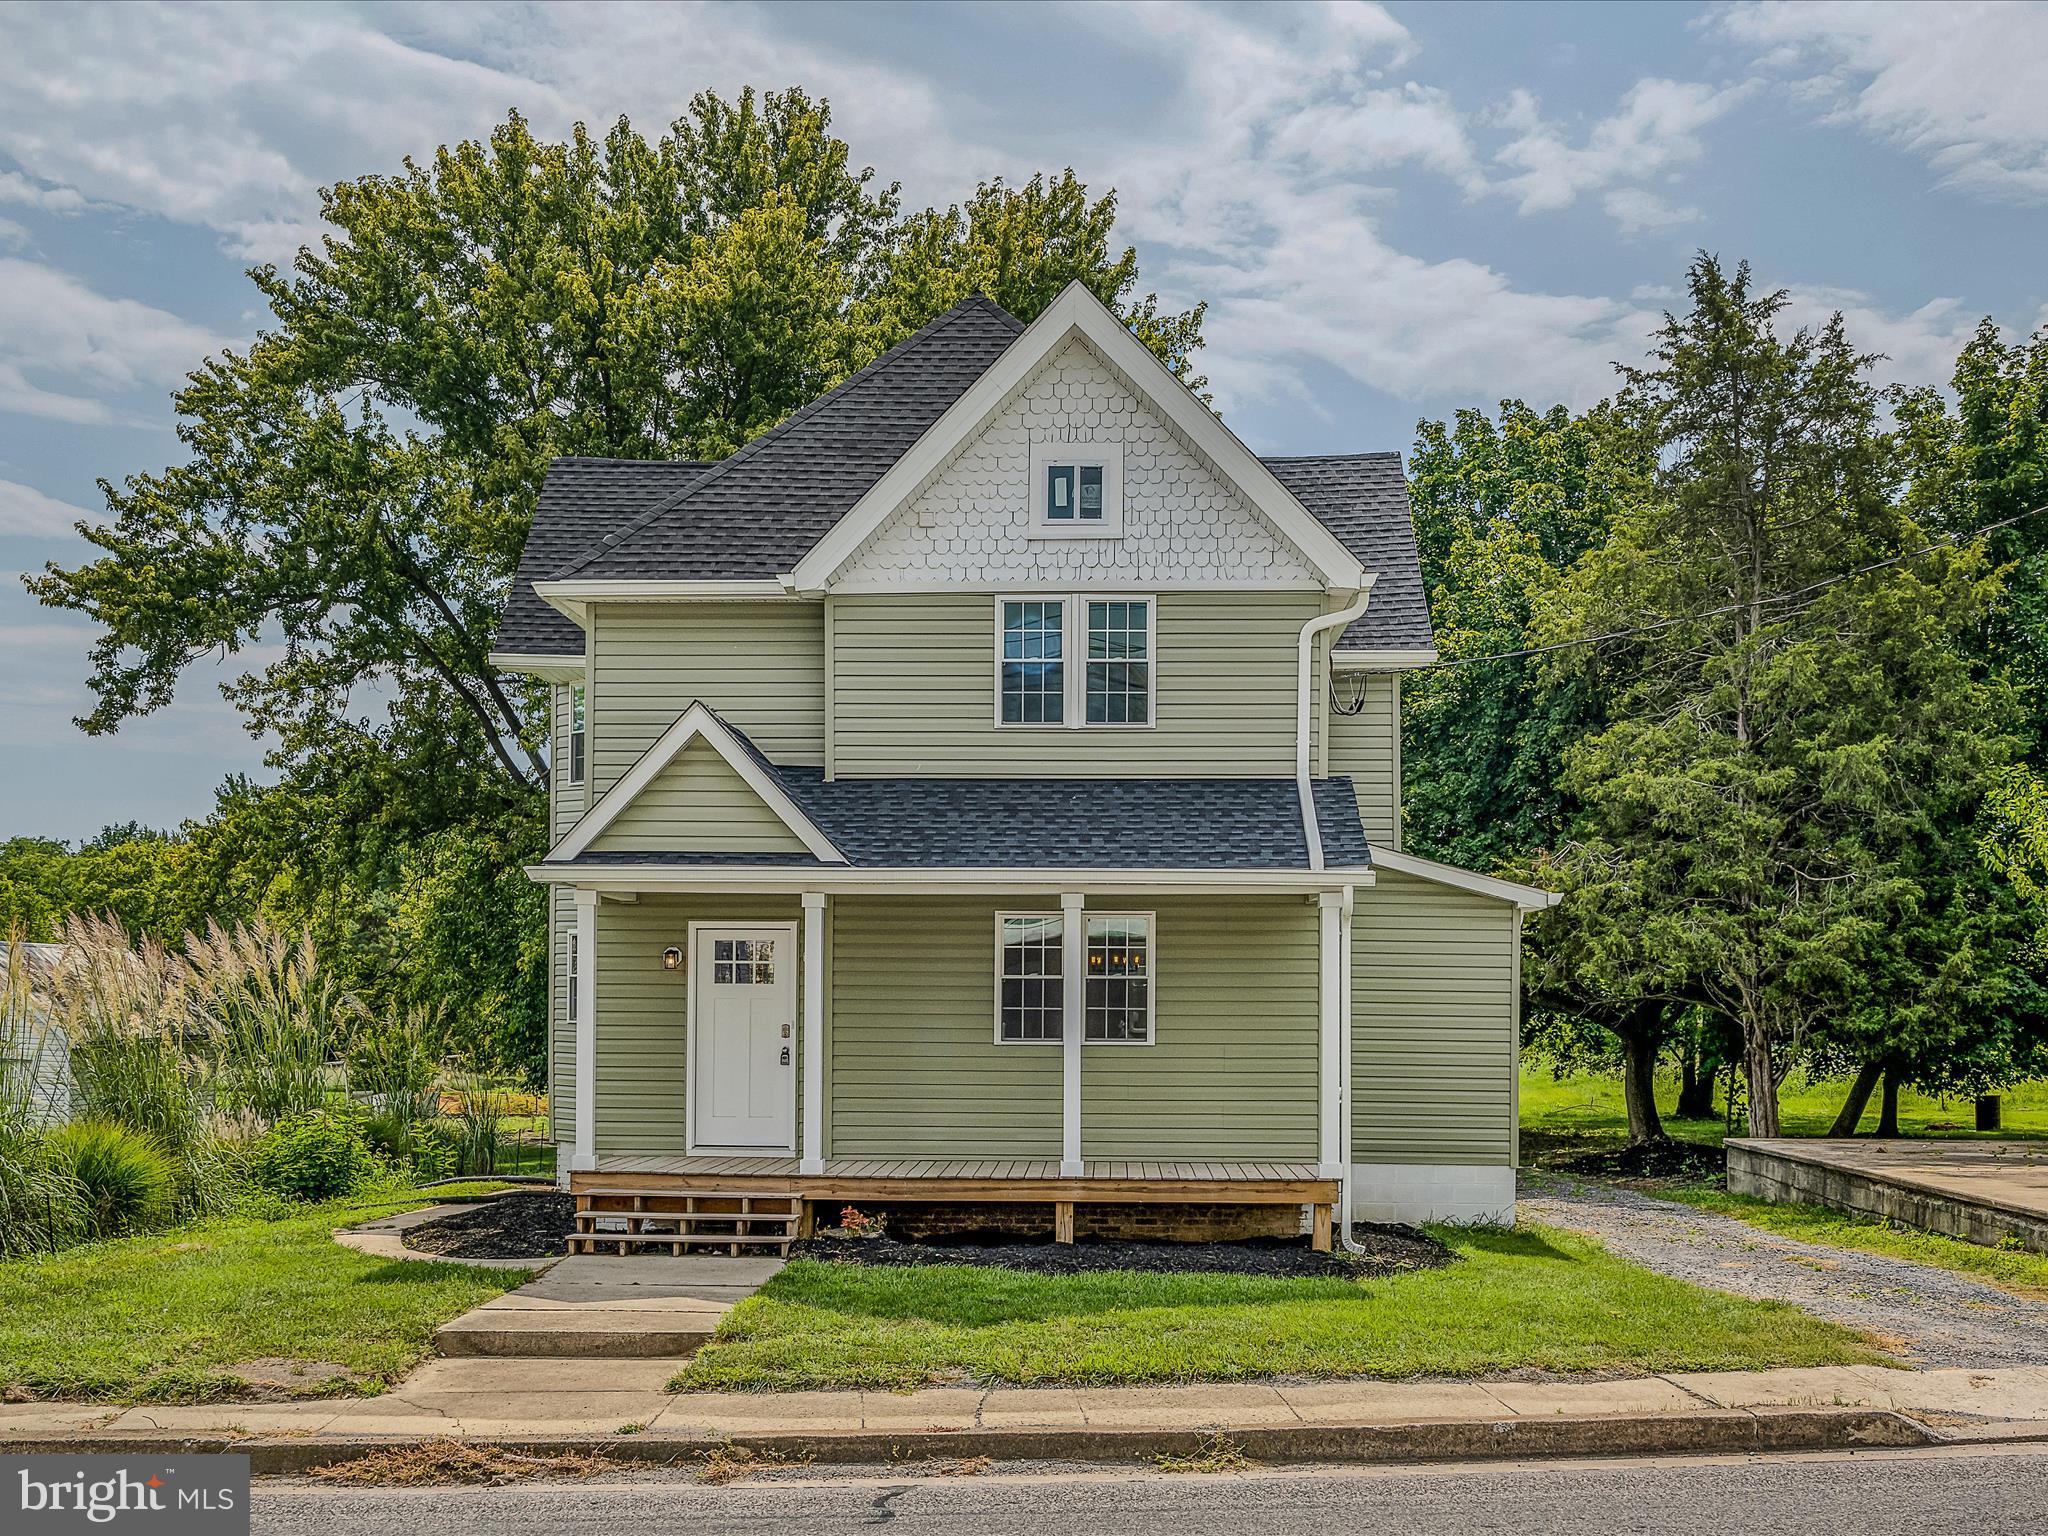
{"x":576,"y":733}
{"x":1116,"y":985}
{"x":1109,"y":683}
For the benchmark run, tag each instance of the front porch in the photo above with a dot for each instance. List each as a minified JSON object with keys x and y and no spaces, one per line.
{"x":755,"y":1201}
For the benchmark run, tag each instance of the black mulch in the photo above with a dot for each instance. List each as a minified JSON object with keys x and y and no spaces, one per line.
{"x":517,"y":1226}
{"x":1649,"y":1160}
{"x":1389,"y":1251}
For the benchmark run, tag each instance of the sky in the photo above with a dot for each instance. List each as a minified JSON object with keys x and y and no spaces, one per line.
{"x":1393,"y":212}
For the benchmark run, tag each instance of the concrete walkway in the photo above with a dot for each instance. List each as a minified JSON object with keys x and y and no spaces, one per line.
{"x":1925,"y":1315}
{"x":548,"y":1401}
{"x":591,"y":1307}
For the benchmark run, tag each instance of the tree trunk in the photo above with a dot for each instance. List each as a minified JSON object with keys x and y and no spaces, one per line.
{"x":1888,"y":1117}
{"x":1858,"y":1100}
{"x":1639,"y":1046}
{"x":1695,"y":1088}
{"x":1761,"y":1082}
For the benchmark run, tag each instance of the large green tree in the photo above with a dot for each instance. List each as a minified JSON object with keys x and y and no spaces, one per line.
{"x":358,"y":482}
{"x":1792,"y":737}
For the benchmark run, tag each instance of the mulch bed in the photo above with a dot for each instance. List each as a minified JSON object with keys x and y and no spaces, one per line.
{"x":1389,"y":1251}
{"x":518,"y":1226}
{"x":1651,"y":1160}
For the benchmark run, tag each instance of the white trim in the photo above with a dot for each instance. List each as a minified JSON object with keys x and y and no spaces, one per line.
{"x":1074,"y":660}
{"x":1515,"y":1045}
{"x":1104,"y":453}
{"x":1073,"y":1006}
{"x":1383,"y":660}
{"x":1307,"y":676}
{"x":1077,"y":311}
{"x":1070,"y":581}
{"x":585,"y":1157}
{"x":694,"y":724}
{"x":576,"y":770}
{"x":692,"y":1078}
{"x":549,"y":669}
{"x":1330,"y":1016}
{"x":814,"y":1034}
{"x":1526,"y":897}
{"x":847,"y":879}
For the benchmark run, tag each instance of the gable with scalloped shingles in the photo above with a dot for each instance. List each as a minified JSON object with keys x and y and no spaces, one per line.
{"x":1182,"y":521}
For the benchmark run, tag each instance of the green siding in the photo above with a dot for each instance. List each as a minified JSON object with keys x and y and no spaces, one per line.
{"x":643,"y":1011}
{"x":1367,"y":746}
{"x":914,"y":680}
{"x":915,"y":1070}
{"x":1433,"y":1024}
{"x":698,"y":803}
{"x":1236,"y":1019}
{"x":761,"y":665}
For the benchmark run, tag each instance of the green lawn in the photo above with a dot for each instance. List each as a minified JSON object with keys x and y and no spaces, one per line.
{"x":167,"y":1317}
{"x":1586,"y":1109}
{"x":1530,"y":1298}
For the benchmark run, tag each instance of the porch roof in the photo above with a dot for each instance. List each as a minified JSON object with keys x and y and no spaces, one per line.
{"x":1065,"y":823}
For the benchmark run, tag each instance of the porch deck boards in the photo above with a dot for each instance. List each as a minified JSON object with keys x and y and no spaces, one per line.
{"x":981,"y":1170}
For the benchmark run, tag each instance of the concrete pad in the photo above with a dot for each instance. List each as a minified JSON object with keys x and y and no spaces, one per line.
{"x":537,"y":1375}
{"x":659,"y":1272}
{"x":551,"y":1413}
{"x":1827,"y":1386}
{"x":1580,"y":1399}
{"x":753,"y":1413}
{"x":2020,"y":1393}
{"x":1197,"y":1407}
{"x":523,"y":1300}
{"x":232,"y":1418}
{"x":1032,"y":1408}
{"x":1391,"y":1402}
{"x":936,"y":1409}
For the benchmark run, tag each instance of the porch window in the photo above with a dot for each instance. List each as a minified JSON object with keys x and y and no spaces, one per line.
{"x":575,"y":733}
{"x":1028,"y":979}
{"x":1118,"y":991}
{"x":1034,"y":669}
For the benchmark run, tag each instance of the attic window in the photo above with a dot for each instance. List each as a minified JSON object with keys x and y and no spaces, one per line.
{"x":1077,"y":490}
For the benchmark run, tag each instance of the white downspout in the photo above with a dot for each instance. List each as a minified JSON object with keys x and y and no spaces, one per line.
{"x":1349,"y":1155}
{"x":1304,"y":699}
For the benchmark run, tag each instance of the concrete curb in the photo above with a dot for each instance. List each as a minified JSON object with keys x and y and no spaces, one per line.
{"x":1714,"y":1432}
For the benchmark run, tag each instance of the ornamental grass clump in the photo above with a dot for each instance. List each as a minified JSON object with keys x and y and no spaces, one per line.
{"x":273,"y":1017}
{"x":136,"y":1052}
{"x":126,"y":1182}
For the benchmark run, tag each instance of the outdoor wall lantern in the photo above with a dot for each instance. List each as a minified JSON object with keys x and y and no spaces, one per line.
{"x":671,"y":959}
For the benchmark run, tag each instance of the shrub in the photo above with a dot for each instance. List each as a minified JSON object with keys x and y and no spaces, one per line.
{"x":127,"y":1182}
{"x":480,"y":1125}
{"x":426,"y":1147}
{"x":317,"y":1154}
{"x":396,"y":1060}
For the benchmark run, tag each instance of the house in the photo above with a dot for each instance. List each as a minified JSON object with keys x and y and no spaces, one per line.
{"x":984,"y":788}
{"x":35,"y":1051}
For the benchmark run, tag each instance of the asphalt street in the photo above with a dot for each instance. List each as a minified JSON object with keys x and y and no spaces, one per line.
{"x":1983,"y":1492}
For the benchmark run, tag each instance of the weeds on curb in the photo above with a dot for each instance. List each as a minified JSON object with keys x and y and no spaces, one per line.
{"x":729,"y":1463}
{"x":451,"y":1461}
{"x":1218,"y":1453}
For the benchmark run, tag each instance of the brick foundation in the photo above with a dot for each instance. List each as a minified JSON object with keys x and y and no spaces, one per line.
{"x":1162,"y":1223}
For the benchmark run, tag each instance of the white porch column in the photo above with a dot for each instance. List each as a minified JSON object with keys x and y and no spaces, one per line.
{"x":1073,"y":1020}
{"x":1331,"y":905}
{"x":813,"y":1160}
{"x":585,"y":1156}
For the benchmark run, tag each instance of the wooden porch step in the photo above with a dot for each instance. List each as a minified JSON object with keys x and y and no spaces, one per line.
{"x":685,"y":1220}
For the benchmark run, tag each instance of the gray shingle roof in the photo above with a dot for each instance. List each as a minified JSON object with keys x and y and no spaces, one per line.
{"x":1363,"y":499}
{"x":758,"y":512}
{"x":581,"y":501}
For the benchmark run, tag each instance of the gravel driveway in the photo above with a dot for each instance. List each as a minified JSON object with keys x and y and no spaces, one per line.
{"x":1926,"y":1316}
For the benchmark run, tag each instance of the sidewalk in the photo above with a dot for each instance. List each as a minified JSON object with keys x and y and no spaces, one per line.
{"x":620,"y":1405}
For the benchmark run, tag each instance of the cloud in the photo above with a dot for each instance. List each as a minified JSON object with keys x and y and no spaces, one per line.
{"x":1638,"y":211}
{"x":17,"y":188}
{"x":57,"y":335}
{"x":26,"y":510}
{"x":1655,"y":129}
{"x":1951,"y":83}
{"x":13,"y":235}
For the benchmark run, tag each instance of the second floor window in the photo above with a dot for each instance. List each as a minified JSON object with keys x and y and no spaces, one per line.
{"x":576,"y":733}
{"x":1110,"y":682}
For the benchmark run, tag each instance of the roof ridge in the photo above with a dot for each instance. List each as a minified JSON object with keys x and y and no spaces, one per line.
{"x":860,"y":376}
{"x":1324,"y":458}
{"x":611,"y":458}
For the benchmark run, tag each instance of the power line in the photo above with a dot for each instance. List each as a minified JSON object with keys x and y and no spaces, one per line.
{"x":1727,"y":608}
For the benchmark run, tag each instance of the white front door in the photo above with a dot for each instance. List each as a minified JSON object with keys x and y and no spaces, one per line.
{"x":743,"y":1072}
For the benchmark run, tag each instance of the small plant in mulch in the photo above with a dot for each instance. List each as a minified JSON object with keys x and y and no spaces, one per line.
{"x":856,"y":1223}
{"x":453,"y":1462}
{"x":729,"y":1463}
{"x":1218,"y":1453}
